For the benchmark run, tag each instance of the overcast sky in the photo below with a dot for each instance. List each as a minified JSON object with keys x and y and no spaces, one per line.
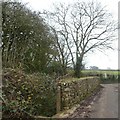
{"x":108,"y":59}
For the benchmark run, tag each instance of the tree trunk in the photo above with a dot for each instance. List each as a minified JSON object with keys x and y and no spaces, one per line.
{"x":78,"y":67}
{"x":64,"y":71}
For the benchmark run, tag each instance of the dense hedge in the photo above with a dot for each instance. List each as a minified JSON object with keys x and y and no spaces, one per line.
{"x":22,"y":94}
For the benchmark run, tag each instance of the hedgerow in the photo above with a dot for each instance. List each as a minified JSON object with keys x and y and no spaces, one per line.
{"x":33,"y":94}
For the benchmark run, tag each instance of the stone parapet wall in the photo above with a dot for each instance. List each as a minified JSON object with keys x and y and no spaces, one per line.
{"x":75,"y":91}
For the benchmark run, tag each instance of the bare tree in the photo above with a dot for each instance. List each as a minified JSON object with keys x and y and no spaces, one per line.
{"x":63,"y":45}
{"x":83,"y":27}
{"x":63,"y":52}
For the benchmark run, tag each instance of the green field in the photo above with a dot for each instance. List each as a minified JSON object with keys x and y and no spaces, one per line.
{"x":106,"y":76}
{"x":94,"y":72}
{"x":110,"y":72}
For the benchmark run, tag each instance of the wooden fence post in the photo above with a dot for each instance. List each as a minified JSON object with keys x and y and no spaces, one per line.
{"x":58,"y":104}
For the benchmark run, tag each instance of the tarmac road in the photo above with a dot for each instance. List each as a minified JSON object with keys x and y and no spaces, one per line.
{"x":107,"y":105}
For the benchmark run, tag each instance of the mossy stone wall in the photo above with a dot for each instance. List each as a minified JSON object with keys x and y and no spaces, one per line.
{"x":75,"y":91}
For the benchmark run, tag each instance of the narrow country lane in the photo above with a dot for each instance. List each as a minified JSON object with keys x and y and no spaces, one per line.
{"x":107,"y":105}
{"x":104,"y":104}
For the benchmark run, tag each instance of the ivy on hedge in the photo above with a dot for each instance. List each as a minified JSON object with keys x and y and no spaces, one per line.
{"x":34,"y":94}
